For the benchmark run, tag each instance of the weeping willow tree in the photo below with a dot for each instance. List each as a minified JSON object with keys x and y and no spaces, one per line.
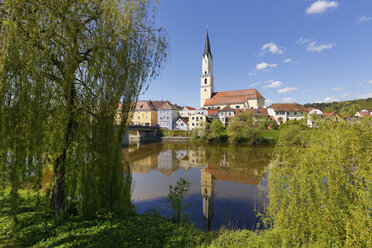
{"x":64,"y":67}
{"x":320,"y":186}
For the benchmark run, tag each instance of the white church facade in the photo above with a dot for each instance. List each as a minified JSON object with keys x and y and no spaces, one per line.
{"x":236,"y":99}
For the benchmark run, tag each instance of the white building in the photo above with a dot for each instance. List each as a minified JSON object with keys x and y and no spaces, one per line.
{"x":225,"y":113}
{"x":196,"y":121}
{"x":310,"y":116}
{"x":283,"y":112}
{"x":181,"y":124}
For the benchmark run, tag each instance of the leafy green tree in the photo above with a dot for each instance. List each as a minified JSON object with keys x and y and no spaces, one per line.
{"x":235,"y":129}
{"x":175,"y":199}
{"x":217,"y":131}
{"x":320,"y":190}
{"x":64,"y":67}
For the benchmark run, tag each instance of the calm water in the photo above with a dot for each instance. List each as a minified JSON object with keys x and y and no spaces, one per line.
{"x":227,"y":181}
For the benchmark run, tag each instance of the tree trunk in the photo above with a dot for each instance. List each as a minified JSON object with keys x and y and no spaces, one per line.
{"x":58,"y":199}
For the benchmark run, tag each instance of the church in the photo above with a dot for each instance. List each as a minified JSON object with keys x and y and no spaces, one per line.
{"x":235,"y":99}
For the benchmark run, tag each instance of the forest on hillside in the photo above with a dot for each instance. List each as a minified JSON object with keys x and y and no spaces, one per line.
{"x":343,"y":108}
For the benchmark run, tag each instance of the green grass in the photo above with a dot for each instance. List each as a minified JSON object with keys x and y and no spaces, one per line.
{"x":40,"y":228}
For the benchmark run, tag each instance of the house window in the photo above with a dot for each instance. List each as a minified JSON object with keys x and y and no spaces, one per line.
{"x":205,"y":90}
{"x":192,"y":118}
{"x":277,"y":113}
{"x":168,"y":118}
{"x":237,"y":106}
{"x":295,"y":113}
{"x":205,"y":81}
{"x":287,"y":113}
{"x":230,"y":114}
{"x":205,"y":72}
{"x":193,"y":124}
{"x":287,"y":119}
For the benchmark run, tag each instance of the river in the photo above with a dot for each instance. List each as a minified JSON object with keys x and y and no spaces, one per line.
{"x":228,"y":184}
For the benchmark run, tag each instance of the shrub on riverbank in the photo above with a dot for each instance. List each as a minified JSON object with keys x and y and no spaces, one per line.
{"x":320,"y":186}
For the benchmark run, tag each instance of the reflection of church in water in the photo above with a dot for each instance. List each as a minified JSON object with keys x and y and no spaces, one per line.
{"x":207,"y":189}
{"x":227,"y":168}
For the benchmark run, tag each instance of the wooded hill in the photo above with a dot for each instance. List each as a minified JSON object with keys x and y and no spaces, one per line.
{"x":343,"y":108}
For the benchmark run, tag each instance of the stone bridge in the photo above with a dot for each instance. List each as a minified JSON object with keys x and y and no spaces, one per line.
{"x":144,"y":133}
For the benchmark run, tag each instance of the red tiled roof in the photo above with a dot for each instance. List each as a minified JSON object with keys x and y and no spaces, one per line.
{"x":190,"y":108}
{"x":287,"y":107}
{"x":144,"y":105}
{"x":212,"y":111}
{"x":157,"y":104}
{"x":232,"y":97}
{"x":330,"y":114}
{"x":168,"y":105}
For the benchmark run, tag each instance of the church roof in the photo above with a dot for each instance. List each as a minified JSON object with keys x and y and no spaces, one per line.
{"x":207,"y":48}
{"x":232,"y":97}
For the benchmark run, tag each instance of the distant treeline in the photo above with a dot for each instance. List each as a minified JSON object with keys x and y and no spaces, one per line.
{"x":343,"y":108}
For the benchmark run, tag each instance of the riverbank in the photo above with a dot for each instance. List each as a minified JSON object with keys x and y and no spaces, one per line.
{"x":268,"y":137}
{"x":37,"y":227}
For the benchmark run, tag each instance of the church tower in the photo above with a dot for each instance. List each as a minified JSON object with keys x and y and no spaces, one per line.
{"x":207,"y":79}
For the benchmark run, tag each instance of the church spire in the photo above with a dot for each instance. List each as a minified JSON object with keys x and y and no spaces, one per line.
{"x":207,"y":49}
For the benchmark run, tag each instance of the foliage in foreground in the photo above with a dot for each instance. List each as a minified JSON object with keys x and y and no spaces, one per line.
{"x":175,"y":199}
{"x":39,"y":228}
{"x":320,"y":186}
{"x":64,"y":67}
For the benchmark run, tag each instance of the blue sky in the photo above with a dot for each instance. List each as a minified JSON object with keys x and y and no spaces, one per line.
{"x":289,"y":50}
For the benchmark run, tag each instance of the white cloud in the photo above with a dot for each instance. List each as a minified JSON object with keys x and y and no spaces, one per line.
{"x":370,"y":81}
{"x":346,"y":94}
{"x":312,"y":47}
{"x":304,"y":91}
{"x":289,"y":99}
{"x":368,"y":95}
{"x":365,"y":18}
{"x":337,"y":88}
{"x":268,"y":100}
{"x":321,"y":6}
{"x":330,"y":99}
{"x":287,"y":89}
{"x":272,"y":47}
{"x":289,"y":60}
{"x":303,"y":40}
{"x":273,"y":84}
{"x":264,"y":65}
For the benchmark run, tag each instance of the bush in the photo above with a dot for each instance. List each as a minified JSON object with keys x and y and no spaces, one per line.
{"x":320,"y":186}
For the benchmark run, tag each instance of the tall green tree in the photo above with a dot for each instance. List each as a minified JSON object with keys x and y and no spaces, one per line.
{"x":320,"y":186}
{"x":64,"y":67}
{"x":217,"y":131}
